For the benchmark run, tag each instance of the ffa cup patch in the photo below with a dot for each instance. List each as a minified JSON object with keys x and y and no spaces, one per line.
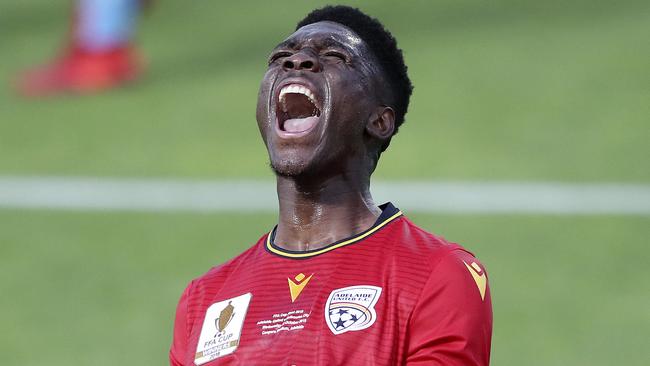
{"x":221,"y":329}
{"x":351,"y":308}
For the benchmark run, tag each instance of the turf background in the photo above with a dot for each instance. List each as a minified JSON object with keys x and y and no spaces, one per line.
{"x":505,"y":90}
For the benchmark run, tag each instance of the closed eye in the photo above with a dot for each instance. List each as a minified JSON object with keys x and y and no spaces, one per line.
{"x":278,"y":55}
{"x":336,"y":54}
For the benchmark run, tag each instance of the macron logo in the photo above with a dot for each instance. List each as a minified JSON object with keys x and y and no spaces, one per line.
{"x":295,"y":288}
{"x":479,"y":277}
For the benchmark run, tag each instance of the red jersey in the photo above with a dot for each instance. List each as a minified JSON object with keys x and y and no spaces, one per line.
{"x":392,"y":295}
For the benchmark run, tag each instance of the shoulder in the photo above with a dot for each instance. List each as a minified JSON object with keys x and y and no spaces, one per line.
{"x":430,"y":249}
{"x":436,"y":260}
{"x":215,"y":277}
{"x":453,"y":305}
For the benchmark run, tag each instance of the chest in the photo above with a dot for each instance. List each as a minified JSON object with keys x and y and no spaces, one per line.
{"x":331,"y":311}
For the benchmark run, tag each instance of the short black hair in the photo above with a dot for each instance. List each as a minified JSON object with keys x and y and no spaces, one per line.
{"x":381,"y":43}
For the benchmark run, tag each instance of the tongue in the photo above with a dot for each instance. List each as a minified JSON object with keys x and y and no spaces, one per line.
{"x":300,"y":124}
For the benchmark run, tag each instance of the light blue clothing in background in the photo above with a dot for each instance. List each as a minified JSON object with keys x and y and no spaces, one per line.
{"x":105,"y":24}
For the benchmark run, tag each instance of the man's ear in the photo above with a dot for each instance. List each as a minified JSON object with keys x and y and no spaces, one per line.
{"x":381,"y":124}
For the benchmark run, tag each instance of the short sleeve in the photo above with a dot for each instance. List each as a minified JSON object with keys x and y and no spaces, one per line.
{"x":451,"y":324}
{"x":179,"y":343}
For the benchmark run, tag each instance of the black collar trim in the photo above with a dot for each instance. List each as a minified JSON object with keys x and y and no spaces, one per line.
{"x":388,"y":214}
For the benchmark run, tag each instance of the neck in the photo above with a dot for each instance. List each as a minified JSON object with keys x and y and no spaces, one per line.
{"x":315,"y":214}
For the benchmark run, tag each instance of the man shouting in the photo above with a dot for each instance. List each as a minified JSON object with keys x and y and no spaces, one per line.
{"x":339,"y":280}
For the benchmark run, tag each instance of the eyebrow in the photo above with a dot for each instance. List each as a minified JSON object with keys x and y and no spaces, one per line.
{"x":289,"y":43}
{"x":326,"y":43}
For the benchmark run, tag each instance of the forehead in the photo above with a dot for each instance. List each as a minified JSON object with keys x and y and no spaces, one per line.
{"x":326,"y":34}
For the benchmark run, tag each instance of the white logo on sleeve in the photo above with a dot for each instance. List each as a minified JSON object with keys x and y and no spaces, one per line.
{"x":351,"y":308}
{"x":221,"y":329}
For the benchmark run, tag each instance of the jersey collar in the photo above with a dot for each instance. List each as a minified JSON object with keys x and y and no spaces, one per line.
{"x":388,"y":214}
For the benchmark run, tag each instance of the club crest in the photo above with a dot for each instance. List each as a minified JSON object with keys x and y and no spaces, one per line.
{"x":351,"y":308}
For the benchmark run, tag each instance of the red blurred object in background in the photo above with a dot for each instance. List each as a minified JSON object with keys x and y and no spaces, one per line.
{"x":83,"y":72}
{"x":100,"y":53}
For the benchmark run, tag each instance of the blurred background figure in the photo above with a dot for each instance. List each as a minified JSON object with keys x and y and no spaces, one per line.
{"x":99,"y":54}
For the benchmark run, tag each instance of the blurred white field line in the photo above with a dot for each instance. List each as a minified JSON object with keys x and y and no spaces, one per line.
{"x":100,"y":194}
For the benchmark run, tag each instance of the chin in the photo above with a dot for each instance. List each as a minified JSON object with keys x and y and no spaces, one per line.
{"x":305,"y":165}
{"x":289,"y":167}
{"x":310,"y":162}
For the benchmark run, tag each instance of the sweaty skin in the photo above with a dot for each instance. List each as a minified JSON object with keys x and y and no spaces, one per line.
{"x":324,"y":113}
{"x":323,"y":173}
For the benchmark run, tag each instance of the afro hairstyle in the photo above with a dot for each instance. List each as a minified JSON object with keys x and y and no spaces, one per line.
{"x":381,"y":43}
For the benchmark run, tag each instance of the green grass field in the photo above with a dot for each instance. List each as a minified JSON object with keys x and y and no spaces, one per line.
{"x":505,"y":90}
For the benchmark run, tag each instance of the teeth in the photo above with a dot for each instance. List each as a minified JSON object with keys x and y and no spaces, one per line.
{"x":295,"y":89}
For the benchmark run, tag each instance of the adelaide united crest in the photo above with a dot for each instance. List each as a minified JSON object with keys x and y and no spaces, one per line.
{"x":351,"y":308}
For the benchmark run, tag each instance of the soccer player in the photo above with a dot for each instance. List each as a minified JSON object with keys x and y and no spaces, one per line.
{"x":339,"y":280}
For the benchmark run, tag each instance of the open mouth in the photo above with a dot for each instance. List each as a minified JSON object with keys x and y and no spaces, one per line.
{"x":297,"y":110}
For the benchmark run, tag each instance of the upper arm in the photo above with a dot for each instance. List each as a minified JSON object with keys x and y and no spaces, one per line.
{"x":451,"y":323}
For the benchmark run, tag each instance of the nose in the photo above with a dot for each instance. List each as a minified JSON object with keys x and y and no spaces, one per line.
{"x":303,"y":60}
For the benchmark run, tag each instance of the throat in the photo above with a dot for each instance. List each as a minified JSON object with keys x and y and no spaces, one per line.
{"x":300,"y":239}
{"x":315,"y":220}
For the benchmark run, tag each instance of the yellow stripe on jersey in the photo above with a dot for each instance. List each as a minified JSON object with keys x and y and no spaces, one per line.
{"x":355,"y":239}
